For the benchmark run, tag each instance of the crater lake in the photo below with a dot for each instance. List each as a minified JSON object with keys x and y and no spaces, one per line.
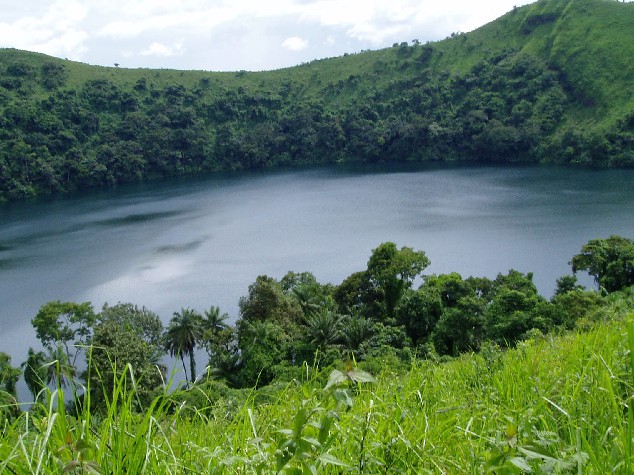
{"x":200,"y":242}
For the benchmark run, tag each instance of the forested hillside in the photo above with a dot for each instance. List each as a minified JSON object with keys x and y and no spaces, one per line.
{"x":548,"y":82}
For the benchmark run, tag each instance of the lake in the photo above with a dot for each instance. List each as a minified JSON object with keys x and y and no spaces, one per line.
{"x":201,"y":242}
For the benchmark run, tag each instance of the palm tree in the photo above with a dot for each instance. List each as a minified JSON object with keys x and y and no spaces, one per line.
{"x":358,"y":332}
{"x":58,"y":369}
{"x":323,"y":328}
{"x":309,"y":298}
{"x":183,"y":333}
{"x":214,"y":321}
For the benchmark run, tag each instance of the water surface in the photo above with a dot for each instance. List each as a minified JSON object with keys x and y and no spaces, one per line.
{"x":201,"y":242}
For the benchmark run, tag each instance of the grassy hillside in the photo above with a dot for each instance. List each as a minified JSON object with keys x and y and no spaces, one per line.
{"x":553,"y":405}
{"x":547,"y":82}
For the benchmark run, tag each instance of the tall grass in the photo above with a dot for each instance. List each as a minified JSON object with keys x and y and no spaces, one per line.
{"x":552,"y":405}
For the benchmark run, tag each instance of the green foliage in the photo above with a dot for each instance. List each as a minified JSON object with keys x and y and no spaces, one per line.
{"x":575,"y":306}
{"x":53,"y":75}
{"x":356,"y":295}
{"x":460,"y":328}
{"x":551,"y":405}
{"x":610,"y":261}
{"x":548,"y":81}
{"x":119,"y":351}
{"x":310,"y":294}
{"x":512,"y":393}
{"x":8,"y":375}
{"x":64,"y":324}
{"x":391,"y":271}
{"x":567,"y":283}
{"x":264,"y":345}
{"x":323,"y":329}
{"x":141,"y":322}
{"x":223,"y":351}
{"x":419,"y":312}
{"x":266,"y":301}
{"x":214,"y":321}
{"x":358,"y":335}
{"x":35,"y":373}
{"x":184,"y":332}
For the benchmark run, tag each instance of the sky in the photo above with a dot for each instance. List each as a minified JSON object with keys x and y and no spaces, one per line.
{"x":231,"y":35}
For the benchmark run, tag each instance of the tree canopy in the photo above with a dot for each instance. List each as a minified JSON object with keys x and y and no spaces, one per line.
{"x":610,"y":261}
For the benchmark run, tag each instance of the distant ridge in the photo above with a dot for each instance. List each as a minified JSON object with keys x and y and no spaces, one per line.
{"x":552,"y":81}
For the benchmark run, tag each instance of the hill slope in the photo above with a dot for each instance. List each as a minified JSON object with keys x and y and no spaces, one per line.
{"x":548,"y":82}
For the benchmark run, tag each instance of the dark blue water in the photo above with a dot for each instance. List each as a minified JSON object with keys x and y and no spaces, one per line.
{"x":201,"y":242}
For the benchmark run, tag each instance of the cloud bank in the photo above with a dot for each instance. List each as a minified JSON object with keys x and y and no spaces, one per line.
{"x":231,"y":35}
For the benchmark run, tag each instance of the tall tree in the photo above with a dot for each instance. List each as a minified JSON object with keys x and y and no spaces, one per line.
{"x":357,"y":334}
{"x":65,"y":324}
{"x":119,"y":350}
{"x":8,"y":379}
{"x":214,"y":321}
{"x":8,"y":375}
{"x":419,"y":312}
{"x":267,"y":302}
{"x":183,"y":333}
{"x":610,"y":261}
{"x":393,"y":271}
{"x":144,"y":323}
{"x":224,"y":354}
{"x":35,"y":372}
{"x":323,"y":328}
{"x":59,"y":371}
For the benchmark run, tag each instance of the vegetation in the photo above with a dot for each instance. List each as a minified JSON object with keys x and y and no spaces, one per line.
{"x":610,"y":261}
{"x":471,"y":375}
{"x":552,"y":405}
{"x":550,"y":81}
{"x":374,"y":375}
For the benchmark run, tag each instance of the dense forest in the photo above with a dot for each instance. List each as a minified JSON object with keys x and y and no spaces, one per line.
{"x":547,"y":82}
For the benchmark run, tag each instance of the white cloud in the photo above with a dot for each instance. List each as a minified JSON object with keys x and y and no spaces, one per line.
{"x":70,"y":44}
{"x":295,"y":43}
{"x":57,"y":31}
{"x":378,"y":21}
{"x":330,"y":40}
{"x":159,"y":49}
{"x":232,"y":34}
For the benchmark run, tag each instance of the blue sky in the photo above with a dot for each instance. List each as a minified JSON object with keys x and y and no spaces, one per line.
{"x":229,"y":35}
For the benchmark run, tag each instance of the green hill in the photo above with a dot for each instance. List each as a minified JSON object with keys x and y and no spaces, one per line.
{"x":547,"y":82}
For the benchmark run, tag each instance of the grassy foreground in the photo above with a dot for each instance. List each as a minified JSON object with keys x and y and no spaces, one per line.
{"x":552,"y":405}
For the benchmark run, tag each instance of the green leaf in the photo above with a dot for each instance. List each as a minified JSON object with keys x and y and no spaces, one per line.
{"x":324,"y":427}
{"x":282,"y":458}
{"x":537,"y":452}
{"x":73,"y":464}
{"x":83,"y":444}
{"x":630,"y":334}
{"x":521,"y":463}
{"x":360,"y":376}
{"x":309,"y":469}
{"x":343,"y":396}
{"x":336,"y":378}
{"x":312,"y":441}
{"x":332,"y":460}
{"x":301,"y":418}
